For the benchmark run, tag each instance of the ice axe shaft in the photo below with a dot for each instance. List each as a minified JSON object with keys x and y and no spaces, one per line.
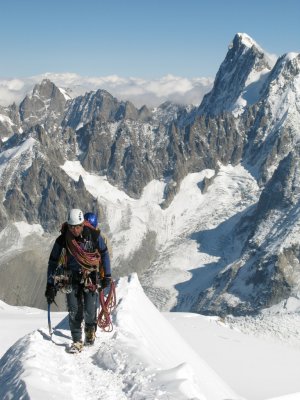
{"x":49,"y":320}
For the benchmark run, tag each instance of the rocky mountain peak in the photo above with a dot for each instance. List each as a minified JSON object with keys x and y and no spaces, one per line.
{"x":285,"y":74}
{"x":274,"y":131}
{"x":101,"y":105}
{"x":45,"y":90}
{"x":46,"y":105}
{"x":239,"y":78}
{"x":244,"y":40}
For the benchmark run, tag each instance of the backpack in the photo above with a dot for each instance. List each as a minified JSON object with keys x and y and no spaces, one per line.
{"x":107,"y":242}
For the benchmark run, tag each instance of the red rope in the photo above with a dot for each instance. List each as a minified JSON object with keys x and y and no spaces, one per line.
{"x":107,"y":305}
{"x":89,"y":261}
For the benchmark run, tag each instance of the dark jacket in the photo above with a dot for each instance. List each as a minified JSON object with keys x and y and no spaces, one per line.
{"x":90,"y":240}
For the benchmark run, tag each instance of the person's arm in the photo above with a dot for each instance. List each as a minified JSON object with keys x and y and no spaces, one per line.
{"x":53,"y":261}
{"x":51,"y":290}
{"x":105,"y":258}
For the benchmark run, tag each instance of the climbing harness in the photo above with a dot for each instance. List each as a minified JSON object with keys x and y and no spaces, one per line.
{"x":107,"y":305}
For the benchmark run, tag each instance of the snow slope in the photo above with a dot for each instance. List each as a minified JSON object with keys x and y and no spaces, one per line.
{"x":143,"y":358}
{"x":258,"y":360}
{"x":147,"y":355}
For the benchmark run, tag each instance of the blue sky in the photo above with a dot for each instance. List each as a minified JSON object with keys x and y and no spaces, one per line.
{"x":147,"y":39}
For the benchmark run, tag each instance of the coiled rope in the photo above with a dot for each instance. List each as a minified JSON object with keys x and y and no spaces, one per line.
{"x":107,"y":305}
{"x":88,"y":260}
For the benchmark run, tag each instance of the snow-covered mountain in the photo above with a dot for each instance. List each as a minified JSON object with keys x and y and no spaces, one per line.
{"x":202,"y":202}
{"x":239,"y":79}
{"x":267,"y":270}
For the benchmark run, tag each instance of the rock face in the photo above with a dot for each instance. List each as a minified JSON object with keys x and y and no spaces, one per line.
{"x":35,"y":189}
{"x":239,"y":78}
{"x":251,"y":117}
{"x":9,"y":121}
{"x":46,"y":106}
{"x":130,"y":146}
{"x":267,"y":271}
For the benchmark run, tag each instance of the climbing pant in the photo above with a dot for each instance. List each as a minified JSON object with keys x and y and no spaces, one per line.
{"x":81,"y":306}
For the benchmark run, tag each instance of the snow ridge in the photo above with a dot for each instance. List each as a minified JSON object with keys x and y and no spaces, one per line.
{"x":136,"y":361}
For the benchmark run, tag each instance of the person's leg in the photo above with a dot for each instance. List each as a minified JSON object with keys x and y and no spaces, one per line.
{"x":75,"y":309}
{"x":90,"y":315}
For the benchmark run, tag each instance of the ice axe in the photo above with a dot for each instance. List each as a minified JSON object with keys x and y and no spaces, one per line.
{"x":49,"y":320}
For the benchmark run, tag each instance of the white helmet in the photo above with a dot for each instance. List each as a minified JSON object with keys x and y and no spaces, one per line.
{"x":75,"y":217}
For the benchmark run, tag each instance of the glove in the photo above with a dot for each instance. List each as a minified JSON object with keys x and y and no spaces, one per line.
{"x":50,"y":293}
{"x":105,"y":281}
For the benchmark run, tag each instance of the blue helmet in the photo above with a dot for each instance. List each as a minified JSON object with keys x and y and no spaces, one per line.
{"x":91,"y":218}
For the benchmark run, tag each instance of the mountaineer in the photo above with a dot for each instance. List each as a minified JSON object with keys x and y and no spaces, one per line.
{"x":79,"y":264}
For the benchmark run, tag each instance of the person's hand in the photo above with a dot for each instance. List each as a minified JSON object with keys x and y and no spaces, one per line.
{"x":50,"y":293}
{"x":105,"y":281}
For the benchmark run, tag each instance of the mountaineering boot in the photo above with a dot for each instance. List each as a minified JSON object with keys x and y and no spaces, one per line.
{"x":89,"y":335}
{"x":76,"y":347}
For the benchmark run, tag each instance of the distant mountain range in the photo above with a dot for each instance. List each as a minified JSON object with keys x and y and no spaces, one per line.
{"x":152,"y":92}
{"x":250,"y":119}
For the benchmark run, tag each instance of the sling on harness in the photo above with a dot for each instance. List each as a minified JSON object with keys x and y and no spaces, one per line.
{"x":62,"y":276}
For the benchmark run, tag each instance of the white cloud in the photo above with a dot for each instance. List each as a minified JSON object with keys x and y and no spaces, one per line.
{"x":14,"y":90}
{"x":137,"y":90}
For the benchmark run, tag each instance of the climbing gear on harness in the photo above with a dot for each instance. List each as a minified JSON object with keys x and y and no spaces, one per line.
{"x":62,"y":277}
{"x":76,"y":347}
{"x":62,"y":280}
{"x":88,"y":285}
{"x":107,"y":305}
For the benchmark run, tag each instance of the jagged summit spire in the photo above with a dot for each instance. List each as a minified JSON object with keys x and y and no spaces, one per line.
{"x":245,"y":63}
{"x":45,"y":105}
{"x":246,"y":40}
{"x":243,"y":44}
